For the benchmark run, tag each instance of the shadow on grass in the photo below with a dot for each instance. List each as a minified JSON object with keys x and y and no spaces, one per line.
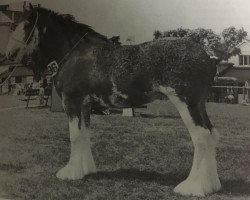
{"x":7,"y":167}
{"x":146,"y":115}
{"x":235,"y":187}
{"x":232,"y":187}
{"x":37,"y":107}
{"x":135,"y":174}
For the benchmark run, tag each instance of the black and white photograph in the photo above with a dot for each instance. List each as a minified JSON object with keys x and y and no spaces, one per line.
{"x":124,"y":99}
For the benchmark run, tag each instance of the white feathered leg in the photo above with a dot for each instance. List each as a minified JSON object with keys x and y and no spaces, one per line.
{"x":81,"y":161}
{"x":203,"y":178}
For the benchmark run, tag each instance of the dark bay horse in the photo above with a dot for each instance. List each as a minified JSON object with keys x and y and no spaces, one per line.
{"x":91,"y":68}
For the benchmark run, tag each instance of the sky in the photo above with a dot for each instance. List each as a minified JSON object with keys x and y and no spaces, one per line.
{"x":140,"y":18}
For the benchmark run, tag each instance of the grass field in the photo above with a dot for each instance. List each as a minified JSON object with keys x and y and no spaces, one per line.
{"x":137,"y":158}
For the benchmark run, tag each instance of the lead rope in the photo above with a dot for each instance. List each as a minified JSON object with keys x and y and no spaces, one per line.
{"x":70,"y":51}
{"x":53,"y":66}
{"x":33,"y":29}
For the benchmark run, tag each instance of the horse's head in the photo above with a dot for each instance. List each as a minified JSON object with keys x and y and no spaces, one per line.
{"x":44,"y":36}
{"x":24,"y":40}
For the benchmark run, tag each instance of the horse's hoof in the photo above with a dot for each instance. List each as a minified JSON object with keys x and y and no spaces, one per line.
{"x":188,"y":188}
{"x":195,"y":188}
{"x":70,"y":172}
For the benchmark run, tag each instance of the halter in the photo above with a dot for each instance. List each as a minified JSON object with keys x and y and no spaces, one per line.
{"x":25,"y":44}
{"x":33,"y":29}
{"x":31,"y":32}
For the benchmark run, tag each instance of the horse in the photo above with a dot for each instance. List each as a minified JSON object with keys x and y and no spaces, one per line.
{"x":93,"y":69}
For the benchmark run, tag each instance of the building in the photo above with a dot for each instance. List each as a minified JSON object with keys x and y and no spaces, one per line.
{"x":14,"y":78}
{"x":5,"y":30}
{"x":9,"y":17}
{"x":237,"y":66}
{"x":242,"y":60}
{"x":18,"y":78}
{"x":6,"y":80}
{"x":233,"y":77}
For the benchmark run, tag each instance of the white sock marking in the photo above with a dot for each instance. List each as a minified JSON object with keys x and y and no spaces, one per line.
{"x":203,"y":177}
{"x":81,"y":161}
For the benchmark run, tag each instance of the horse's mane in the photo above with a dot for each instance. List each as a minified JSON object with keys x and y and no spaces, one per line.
{"x":69,"y":23}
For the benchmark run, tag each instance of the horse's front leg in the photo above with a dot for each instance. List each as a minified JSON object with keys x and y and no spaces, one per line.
{"x":81,"y":161}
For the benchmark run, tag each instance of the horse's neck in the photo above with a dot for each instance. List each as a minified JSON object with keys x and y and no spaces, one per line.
{"x":62,"y":45}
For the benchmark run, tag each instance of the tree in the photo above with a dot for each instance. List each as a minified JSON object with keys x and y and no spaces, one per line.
{"x":115,"y":40}
{"x":180,"y":32}
{"x":157,"y":34}
{"x":222,"y":46}
{"x":232,"y":37}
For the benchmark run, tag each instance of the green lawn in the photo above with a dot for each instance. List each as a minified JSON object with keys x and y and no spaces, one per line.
{"x":137,"y":158}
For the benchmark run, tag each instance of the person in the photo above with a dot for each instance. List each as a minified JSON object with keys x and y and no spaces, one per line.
{"x":231,"y":98}
{"x":43,"y":84}
{"x":247,"y":97}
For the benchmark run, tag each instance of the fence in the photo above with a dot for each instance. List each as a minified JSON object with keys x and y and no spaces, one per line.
{"x":230,"y":94}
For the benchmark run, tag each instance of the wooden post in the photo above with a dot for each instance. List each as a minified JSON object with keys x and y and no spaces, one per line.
{"x":243,"y":93}
{"x":28,"y":100}
{"x":247,"y":95}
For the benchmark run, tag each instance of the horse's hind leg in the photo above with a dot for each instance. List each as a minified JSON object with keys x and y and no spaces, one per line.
{"x":81,"y":161}
{"x":203,"y":177}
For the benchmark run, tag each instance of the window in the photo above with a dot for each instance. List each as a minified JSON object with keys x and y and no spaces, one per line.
{"x":18,"y":79}
{"x":244,"y":60}
{"x":241,"y":60}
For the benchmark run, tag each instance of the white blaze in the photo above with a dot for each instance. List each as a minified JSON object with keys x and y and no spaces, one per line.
{"x":17,"y":42}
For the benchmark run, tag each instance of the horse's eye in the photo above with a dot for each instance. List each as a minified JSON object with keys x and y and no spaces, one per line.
{"x":26,"y":24}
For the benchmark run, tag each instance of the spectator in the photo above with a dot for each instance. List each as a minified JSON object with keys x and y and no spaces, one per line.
{"x":43,"y":84}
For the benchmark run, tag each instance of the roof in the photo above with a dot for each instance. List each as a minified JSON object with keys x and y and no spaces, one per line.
{"x":227,"y":78}
{"x":223,"y":66}
{"x":4,"y":18}
{"x":7,"y":67}
{"x":22,"y":71}
{"x":17,"y":6}
{"x":241,"y":73}
{"x":243,"y":42}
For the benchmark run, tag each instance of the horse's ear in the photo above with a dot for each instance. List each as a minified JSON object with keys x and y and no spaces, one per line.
{"x":30,"y":6}
{"x":25,"y":8}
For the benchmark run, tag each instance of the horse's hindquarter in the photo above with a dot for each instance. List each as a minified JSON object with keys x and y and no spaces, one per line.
{"x":178,"y":63}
